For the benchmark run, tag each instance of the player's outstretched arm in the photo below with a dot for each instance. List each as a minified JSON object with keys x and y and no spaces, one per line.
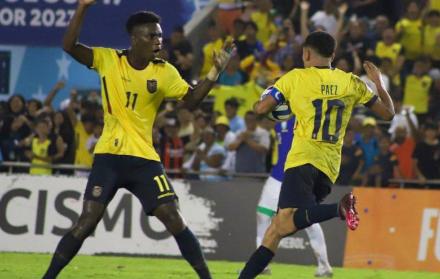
{"x":265,"y":105}
{"x":198,"y":93}
{"x":384,"y":106}
{"x":82,"y":53}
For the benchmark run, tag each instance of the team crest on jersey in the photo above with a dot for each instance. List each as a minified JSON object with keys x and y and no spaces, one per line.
{"x":152,"y":86}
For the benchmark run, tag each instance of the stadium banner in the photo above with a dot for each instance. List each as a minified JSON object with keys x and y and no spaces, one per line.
{"x":400,"y":229}
{"x":43,"y":22}
{"x":35,"y":211}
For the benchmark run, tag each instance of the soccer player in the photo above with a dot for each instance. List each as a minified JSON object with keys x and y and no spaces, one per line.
{"x":322,"y":99}
{"x":134,"y":83}
{"x":268,"y":204}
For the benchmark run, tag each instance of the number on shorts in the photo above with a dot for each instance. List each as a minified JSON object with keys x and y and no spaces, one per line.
{"x":162,"y":183}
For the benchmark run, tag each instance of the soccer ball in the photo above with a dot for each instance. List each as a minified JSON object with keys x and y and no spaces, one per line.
{"x":281,"y":112}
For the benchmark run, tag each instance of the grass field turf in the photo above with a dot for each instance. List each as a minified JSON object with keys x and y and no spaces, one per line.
{"x":24,"y":266}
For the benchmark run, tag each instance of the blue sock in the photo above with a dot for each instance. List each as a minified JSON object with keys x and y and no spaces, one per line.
{"x":305,"y":217}
{"x":190,"y":248}
{"x":257,"y":263}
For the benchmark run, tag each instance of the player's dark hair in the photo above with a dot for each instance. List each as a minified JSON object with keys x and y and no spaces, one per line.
{"x":432,"y":13}
{"x":253,"y":25}
{"x":321,"y":42}
{"x":139,"y":18}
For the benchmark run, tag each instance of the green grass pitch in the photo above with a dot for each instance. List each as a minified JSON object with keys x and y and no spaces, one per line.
{"x":23,"y":266}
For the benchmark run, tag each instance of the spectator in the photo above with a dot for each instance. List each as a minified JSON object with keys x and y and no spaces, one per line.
{"x":252,"y":145}
{"x":384,"y":165}
{"x":417,"y":87}
{"x":209,"y":157}
{"x":352,"y":161}
{"x":263,"y":19}
{"x":431,"y":35}
{"x":236,"y":123}
{"x":326,"y":18}
{"x":389,"y":48}
{"x":228,"y":11}
{"x":180,"y":53}
{"x":401,"y":119}
{"x":251,"y":45}
{"x":224,"y":138}
{"x":367,"y":8}
{"x":215,"y":43}
{"x":403,"y":147}
{"x":44,"y":148}
{"x":427,"y":155}
{"x":232,"y":75}
{"x":172,"y":147}
{"x":381,"y":22}
{"x":93,"y":139}
{"x":409,"y":31}
{"x":186,"y":127}
{"x":368,"y":143}
{"x":238,"y":30}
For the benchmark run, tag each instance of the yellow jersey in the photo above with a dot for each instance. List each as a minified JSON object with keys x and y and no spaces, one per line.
{"x":265,"y":26}
{"x":82,"y":154}
{"x":392,"y":51}
{"x":322,"y":101}
{"x":430,"y":46}
{"x":411,"y":38}
{"x":208,"y":55}
{"x":41,"y":149}
{"x":131,"y":99}
{"x":416,"y":92}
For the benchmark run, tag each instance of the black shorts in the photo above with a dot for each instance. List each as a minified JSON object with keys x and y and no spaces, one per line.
{"x":303,"y":186}
{"x":146,"y":179}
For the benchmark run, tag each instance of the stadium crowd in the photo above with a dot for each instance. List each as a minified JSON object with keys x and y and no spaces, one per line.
{"x":224,"y":136}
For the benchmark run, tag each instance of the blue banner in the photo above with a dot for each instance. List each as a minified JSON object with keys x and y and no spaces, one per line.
{"x":43,"y":22}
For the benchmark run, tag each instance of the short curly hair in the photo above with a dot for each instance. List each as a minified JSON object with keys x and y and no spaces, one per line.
{"x":141,"y":17}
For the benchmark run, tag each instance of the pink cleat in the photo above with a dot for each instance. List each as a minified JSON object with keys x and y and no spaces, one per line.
{"x":348,"y":212}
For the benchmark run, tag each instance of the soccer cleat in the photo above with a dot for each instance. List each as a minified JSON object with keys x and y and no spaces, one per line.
{"x":348,"y":212}
{"x":324,"y":274}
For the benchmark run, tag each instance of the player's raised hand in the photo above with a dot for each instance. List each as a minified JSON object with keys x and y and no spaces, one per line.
{"x":221,"y":60}
{"x":86,"y":2}
{"x":372,"y":71}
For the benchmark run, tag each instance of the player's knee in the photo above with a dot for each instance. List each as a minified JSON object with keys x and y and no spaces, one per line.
{"x":284,"y":224}
{"x":85,"y":226}
{"x":171,"y":218}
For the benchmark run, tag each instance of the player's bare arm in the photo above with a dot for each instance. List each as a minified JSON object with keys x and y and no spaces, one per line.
{"x":199,"y":92}
{"x":265,"y":105}
{"x":82,"y":53}
{"x":384,"y":106}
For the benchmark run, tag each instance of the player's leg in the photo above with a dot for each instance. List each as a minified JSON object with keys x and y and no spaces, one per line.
{"x":71,"y":242}
{"x":298,"y":209}
{"x":99,"y":191}
{"x":267,"y":206}
{"x":188,"y":244}
{"x":150,"y":185}
{"x":317,"y":241}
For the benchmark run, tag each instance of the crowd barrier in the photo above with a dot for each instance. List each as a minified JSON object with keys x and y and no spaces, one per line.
{"x":399,"y":229}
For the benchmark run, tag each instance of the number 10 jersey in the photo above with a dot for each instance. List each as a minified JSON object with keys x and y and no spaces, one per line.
{"x":322,"y":100}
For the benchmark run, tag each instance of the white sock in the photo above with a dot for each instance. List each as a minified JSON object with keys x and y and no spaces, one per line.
{"x":317,"y":241}
{"x":263,"y":222}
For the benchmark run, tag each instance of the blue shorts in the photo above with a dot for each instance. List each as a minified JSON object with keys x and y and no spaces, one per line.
{"x":303,"y":186}
{"x":146,"y":179}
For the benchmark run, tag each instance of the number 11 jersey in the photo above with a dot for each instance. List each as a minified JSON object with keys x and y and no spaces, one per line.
{"x":322,"y":100}
{"x":131,"y":99}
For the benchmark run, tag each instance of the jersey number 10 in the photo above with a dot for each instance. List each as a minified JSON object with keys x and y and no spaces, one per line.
{"x":331,"y":104}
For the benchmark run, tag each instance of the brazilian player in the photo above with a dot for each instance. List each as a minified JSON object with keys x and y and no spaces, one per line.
{"x":322,"y":99}
{"x":134,"y":83}
{"x":268,"y":203}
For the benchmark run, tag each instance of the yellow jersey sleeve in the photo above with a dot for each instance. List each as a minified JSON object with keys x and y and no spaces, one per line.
{"x":363,"y":91}
{"x":100,"y":57}
{"x":286,"y":84}
{"x":177,"y":87}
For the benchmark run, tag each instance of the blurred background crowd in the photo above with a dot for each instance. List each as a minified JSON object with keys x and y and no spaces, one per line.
{"x":224,"y":136}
